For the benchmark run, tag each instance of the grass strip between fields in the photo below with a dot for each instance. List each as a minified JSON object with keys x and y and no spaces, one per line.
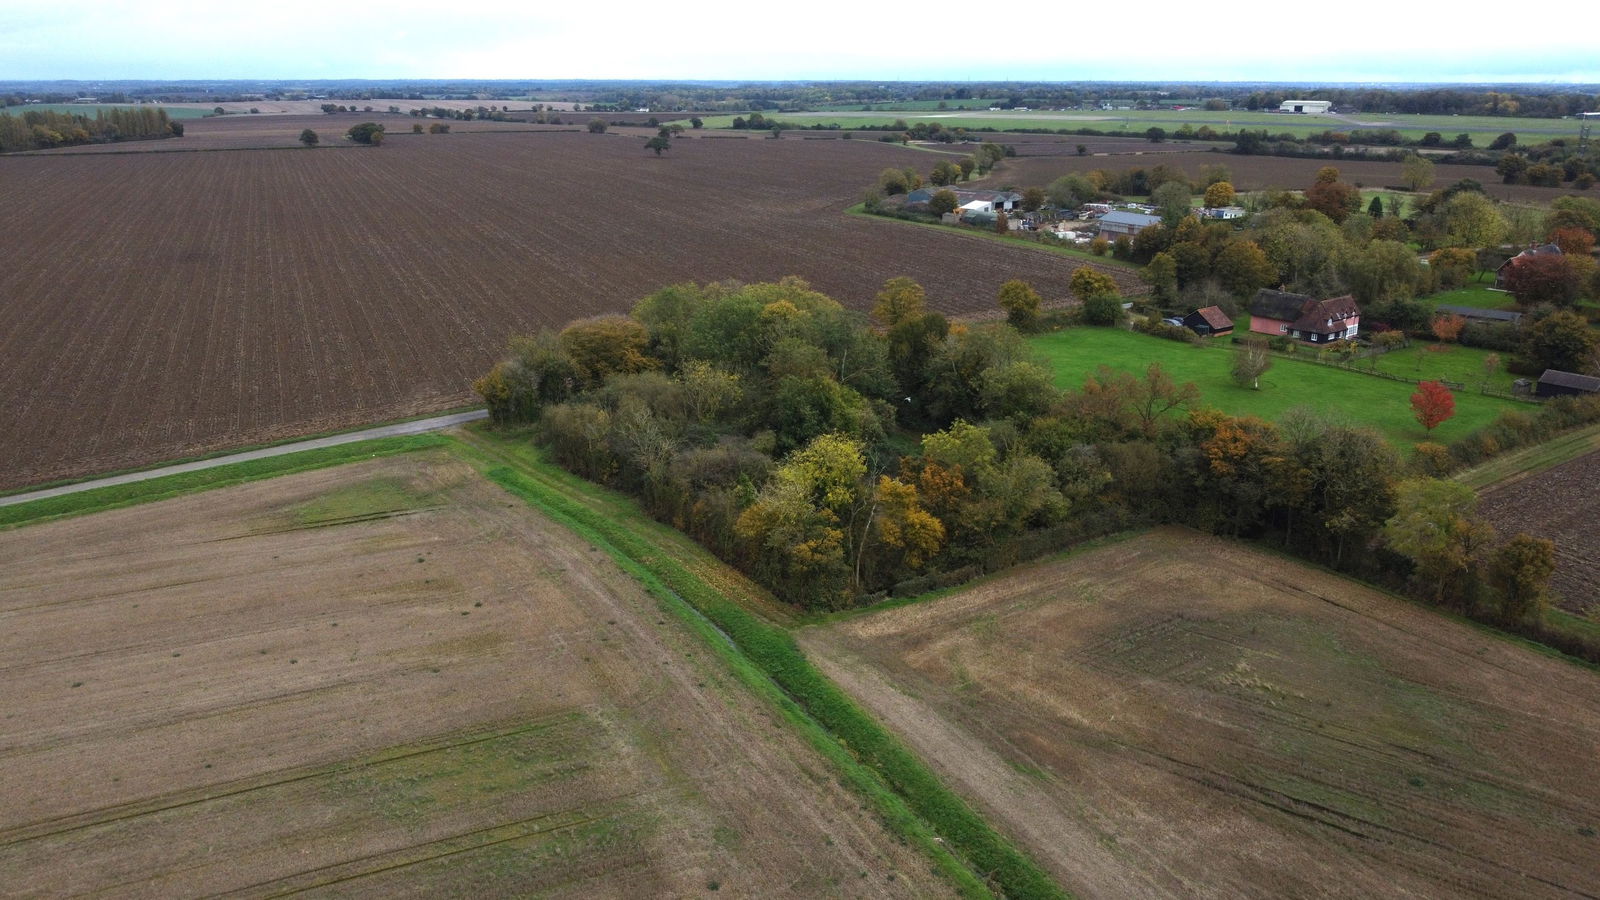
{"x":120,"y":495}
{"x":1512,"y":467}
{"x":807,"y":697}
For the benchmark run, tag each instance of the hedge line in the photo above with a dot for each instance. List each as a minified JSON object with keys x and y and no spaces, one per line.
{"x":775,"y":653}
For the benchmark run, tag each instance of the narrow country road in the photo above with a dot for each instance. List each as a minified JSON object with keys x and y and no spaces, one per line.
{"x":416,"y":426}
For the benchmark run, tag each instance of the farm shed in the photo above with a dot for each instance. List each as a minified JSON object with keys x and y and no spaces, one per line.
{"x":977,"y":206}
{"x":1209,"y":322}
{"x":1222,"y":212}
{"x":1555,"y":383}
{"x":1306,"y":107}
{"x":1506,"y":267}
{"x":1006,"y":200}
{"x":1116,"y":224}
{"x":1285,"y":314}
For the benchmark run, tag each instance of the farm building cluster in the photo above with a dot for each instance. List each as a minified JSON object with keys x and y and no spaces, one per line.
{"x":983,"y":208}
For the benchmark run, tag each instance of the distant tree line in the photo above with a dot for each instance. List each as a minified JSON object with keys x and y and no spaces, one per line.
{"x":42,"y":129}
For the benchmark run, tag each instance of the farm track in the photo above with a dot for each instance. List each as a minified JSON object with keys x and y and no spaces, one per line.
{"x":157,"y":305}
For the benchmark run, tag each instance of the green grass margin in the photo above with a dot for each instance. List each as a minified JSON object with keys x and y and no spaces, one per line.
{"x":859,"y":743}
{"x":133,"y":493}
{"x":1509,"y":468}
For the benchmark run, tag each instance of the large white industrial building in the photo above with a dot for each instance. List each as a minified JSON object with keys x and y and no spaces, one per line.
{"x":1309,"y":107}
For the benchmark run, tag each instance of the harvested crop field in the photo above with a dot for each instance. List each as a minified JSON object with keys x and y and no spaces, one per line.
{"x":1260,"y":172}
{"x":389,"y":679}
{"x":159,"y":304}
{"x":1183,"y":716}
{"x":1561,"y":504}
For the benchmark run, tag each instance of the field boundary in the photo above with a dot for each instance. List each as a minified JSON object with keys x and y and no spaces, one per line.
{"x":231,"y":451}
{"x":920,"y":806}
{"x":1510,"y":468}
{"x":149,"y":490}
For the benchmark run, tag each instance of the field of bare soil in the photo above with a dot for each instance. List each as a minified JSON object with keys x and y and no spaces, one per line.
{"x":159,"y":304}
{"x":389,"y":679}
{"x":283,"y":132}
{"x":1177,"y":715}
{"x":1561,"y":504}
{"x":1260,"y":172}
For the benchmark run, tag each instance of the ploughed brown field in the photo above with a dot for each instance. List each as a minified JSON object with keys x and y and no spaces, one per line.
{"x":1177,"y":715}
{"x":160,"y":304}
{"x":283,"y":132}
{"x":389,"y":679}
{"x":1252,"y":173}
{"x":1561,"y":504}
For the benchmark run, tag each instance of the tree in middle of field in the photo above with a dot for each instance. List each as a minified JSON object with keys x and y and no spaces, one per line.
{"x":1250,"y":361}
{"x":309,"y":138}
{"x":658,"y":144}
{"x":1432,"y":404}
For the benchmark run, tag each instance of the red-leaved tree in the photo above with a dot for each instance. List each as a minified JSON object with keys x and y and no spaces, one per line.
{"x":1433,"y":404}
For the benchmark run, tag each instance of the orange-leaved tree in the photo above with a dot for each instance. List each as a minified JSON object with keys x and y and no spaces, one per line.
{"x":1433,"y":404}
{"x":1448,"y":328}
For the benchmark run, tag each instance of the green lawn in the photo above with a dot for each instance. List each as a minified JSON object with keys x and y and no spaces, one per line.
{"x":1135,"y":122}
{"x":1453,"y":363}
{"x":1479,"y":293}
{"x":1365,"y":399}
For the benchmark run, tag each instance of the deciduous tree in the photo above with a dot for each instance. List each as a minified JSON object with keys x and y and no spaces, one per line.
{"x":1416,"y":172}
{"x":1434,"y":525}
{"x":1220,"y":193}
{"x":901,"y":299}
{"x":1561,"y":340}
{"x":1544,"y":278}
{"x":1448,"y":328}
{"x":1021,"y":303}
{"x":1250,"y":361}
{"x":309,"y":138}
{"x":1471,"y":220}
{"x":1432,"y":404}
{"x":1521,"y":570}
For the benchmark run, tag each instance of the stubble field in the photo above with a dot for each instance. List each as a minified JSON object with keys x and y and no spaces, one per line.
{"x":159,"y":304}
{"x":389,"y":679}
{"x":1177,"y":715}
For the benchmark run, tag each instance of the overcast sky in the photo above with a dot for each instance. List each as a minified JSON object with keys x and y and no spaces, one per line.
{"x":1222,"y":40}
